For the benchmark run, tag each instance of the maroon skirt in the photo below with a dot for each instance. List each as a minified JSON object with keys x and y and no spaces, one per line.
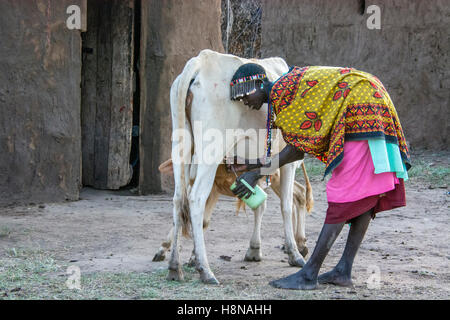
{"x":344,"y":212}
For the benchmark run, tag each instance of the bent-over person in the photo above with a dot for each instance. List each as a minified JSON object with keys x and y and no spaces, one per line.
{"x":346,"y":119}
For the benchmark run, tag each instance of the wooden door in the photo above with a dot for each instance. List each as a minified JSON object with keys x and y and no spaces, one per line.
{"x":107,"y":93}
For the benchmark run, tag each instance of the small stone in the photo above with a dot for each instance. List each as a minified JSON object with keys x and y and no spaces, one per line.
{"x":427,"y":273}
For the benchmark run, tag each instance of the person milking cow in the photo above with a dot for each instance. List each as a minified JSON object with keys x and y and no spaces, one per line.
{"x":346,"y":119}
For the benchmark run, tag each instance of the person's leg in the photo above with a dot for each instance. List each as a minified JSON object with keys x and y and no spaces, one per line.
{"x":306,"y":278}
{"x":342,"y":272}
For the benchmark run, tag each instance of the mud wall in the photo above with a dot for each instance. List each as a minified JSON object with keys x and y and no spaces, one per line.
{"x":40,"y":145}
{"x":173,"y":31}
{"x":409,"y":53}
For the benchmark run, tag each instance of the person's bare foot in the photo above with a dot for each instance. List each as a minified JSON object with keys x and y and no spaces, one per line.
{"x":335,"y":277}
{"x":296,"y":281}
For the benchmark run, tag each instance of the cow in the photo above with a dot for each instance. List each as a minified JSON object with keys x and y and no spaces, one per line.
{"x":200,"y":96}
{"x":302,"y":199}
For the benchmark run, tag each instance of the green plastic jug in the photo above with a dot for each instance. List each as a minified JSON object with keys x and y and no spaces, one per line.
{"x":256,"y":199}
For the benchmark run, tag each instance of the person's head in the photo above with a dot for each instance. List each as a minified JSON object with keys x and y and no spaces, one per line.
{"x":249,"y":84}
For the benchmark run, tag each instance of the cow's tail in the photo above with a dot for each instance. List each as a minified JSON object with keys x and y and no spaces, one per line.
{"x":308,"y":193}
{"x":183,"y":151}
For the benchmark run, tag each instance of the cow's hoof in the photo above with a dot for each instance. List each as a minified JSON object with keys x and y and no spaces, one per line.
{"x":209,"y":280}
{"x":253,"y":255}
{"x":191,"y":262}
{"x":296,"y":262}
{"x":175,"y":275}
{"x":304,"y":251}
{"x":206,"y":276}
{"x":159,"y":256}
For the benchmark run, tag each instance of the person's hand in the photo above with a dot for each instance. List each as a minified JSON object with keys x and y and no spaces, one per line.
{"x":240,"y":164}
{"x":237,"y":163}
{"x":252,"y":178}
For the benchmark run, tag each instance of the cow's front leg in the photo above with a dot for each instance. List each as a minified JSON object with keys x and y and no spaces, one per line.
{"x":197,"y":202}
{"x":287,"y":175}
{"x":254,"y":250}
{"x":299,"y":229}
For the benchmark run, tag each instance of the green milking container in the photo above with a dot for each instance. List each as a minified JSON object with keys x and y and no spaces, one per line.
{"x":256,"y":199}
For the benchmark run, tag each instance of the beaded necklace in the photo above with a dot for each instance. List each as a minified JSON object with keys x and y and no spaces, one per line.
{"x":269,"y":125}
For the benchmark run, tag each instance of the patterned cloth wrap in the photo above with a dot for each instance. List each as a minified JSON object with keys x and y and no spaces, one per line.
{"x":317,"y":108}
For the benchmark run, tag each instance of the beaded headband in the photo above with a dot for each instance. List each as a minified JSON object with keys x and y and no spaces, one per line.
{"x":244,"y":86}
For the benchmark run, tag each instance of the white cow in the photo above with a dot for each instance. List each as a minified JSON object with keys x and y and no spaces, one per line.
{"x":302,"y":199}
{"x":201,"y":95}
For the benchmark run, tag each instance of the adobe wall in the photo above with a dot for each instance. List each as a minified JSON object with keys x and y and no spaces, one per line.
{"x":173,"y":31}
{"x":409,"y":53}
{"x":40,"y":63}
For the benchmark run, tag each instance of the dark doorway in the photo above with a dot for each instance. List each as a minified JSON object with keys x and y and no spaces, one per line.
{"x":109,"y":108}
{"x":134,"y":155}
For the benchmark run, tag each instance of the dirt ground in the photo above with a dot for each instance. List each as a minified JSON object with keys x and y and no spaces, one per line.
{"x":118,"y":233}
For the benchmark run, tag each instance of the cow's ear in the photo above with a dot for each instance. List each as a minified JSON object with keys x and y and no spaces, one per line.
{"x":166,"y":167}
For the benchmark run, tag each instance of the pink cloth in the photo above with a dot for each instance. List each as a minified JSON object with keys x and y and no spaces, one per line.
{"x":346,"y":211}
{"x":354,"y":178}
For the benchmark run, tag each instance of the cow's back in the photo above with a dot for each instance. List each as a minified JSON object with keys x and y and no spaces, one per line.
{"x":213,"y":109}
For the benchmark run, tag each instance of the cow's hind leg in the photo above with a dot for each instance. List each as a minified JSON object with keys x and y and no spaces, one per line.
{"x":165,"y":246}
{"x":287,"y":175}
{"x":209,"y":207}
{"x":197,"y":203}
{"x":254,"y":250}
{"x":175,"y":271}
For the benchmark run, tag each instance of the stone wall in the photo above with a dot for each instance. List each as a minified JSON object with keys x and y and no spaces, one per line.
{"x":409,"y":53}
{"x":40,"y":63}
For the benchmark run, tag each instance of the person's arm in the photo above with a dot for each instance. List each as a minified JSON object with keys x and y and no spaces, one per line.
{"x":238,"y":164}
{"x":287,"y":155}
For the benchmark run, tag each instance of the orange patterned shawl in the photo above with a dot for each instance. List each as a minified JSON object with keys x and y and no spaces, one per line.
{"x":318,"y":108}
